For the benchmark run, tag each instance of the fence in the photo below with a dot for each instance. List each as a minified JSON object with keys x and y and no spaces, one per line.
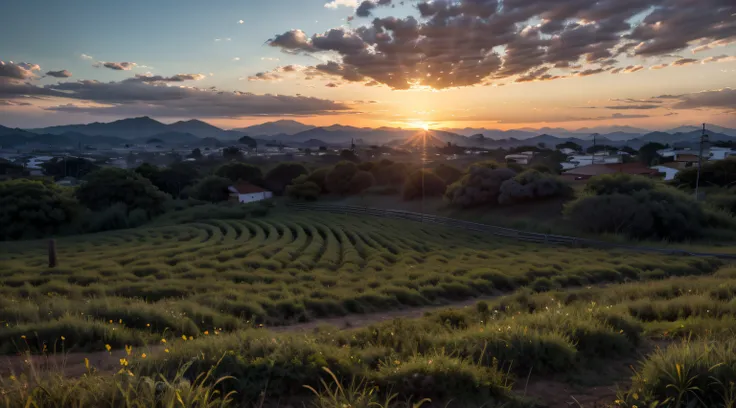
{"x":518,"y":235}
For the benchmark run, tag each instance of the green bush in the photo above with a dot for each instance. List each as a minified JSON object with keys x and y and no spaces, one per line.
{"x":637,"y":207}
{"x":447,"y":173}
{"x":110,"y":186}
{"x":238,"y":171}
{"x":303,"y":189}
{"x":532,"y":185}
{"x":34,"y":209}
{"x":212,"y":189}
{"x":422,"y":184}
{"x":338,"y":180}
{"x":480,"y":186}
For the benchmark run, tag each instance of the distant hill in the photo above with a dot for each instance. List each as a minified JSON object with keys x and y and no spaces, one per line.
{"x":170,"y":138}
{"x":70,"y":140}
{"x":196,"y":128}
{"x":125,"y":128}
{"x":285,"y":127}
{"x":421,"y":139}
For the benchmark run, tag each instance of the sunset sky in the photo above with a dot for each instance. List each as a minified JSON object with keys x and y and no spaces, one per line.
{"x":463,"y":63}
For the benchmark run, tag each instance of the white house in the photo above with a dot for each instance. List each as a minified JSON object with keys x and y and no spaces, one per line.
{"x":521,"y":158}
{"x":248,"y":193}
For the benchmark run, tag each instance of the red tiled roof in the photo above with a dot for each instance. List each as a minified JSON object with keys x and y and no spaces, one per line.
{"x":247,"y":188}
{"x":598,"y":169}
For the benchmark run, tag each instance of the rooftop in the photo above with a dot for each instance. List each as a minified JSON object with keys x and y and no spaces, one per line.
{"x":246,"y":188}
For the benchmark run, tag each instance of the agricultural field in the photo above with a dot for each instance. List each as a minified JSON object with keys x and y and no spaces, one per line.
{"x":127,"y":287}
{"x":203,"y":310}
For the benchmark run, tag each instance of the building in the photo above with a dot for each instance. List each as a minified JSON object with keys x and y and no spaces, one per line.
{"x":586,"y":172}
{"x":248,"y":193}
{"x":520,"y":158}
{"x":576,"y":161}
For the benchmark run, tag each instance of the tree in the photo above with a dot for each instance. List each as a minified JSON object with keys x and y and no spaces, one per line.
{"x":339,"y":178}
{"x":195,"y":154}
{"x":212,"y":188}
{"x":248,"y":141}
{"x":628,"y":149}
{"x":282,"y":175}
{"x":423,"y":183}
{"x":33,"y":209}
{"x":392,"y":174}
{"x":108,"y":186}
{"x":447,"y":173}
{"x":638,"y":207}
{"x":318,"y":177}
{"x":366,"y":166}
{"x":303,"y":189}
{"x":236,"y":171}
{"x":231,"y":153}
{"x":171,"y":180}
{"x":648,"y":153}
{"x":349,"y":155}
{"x":77,"y":167}
{"x":720,"y":173}
{"x":361,"y":181}
{"x":480,"y":186}
{"x":532,"y":185}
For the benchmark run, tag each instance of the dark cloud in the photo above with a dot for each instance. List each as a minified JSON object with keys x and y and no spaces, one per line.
{"x":673,"y":24}
{"x":117,"y":66}
{"x":59,"y":74}
{"x":624,"y":116}
{"x":632,"y":68}
{"x":457,"y":43}
{"x":633,"y":107}
{"x":332,"y":85}
{"x":685,"y":61}
{"x":134,"y":96}
{"x":631,"y":100}
{"x":366,"y":7}
{"x":17,"y":71}
{"x":540,"y":74}
{"x":719,"y":58}
{"x":175,"y":78}
{"x":720,"y":99}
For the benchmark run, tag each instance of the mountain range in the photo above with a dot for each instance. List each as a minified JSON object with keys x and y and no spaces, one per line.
{"x":292,"y":133}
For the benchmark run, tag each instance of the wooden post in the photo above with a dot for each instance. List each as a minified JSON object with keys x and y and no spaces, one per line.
{"x":52,"y":253}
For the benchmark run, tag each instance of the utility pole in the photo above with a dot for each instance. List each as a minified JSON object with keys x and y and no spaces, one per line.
{"x":595,"y":135}
{"x":703,"y":141}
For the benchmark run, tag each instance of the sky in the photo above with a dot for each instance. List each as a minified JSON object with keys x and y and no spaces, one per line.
{"x":499,"y":64}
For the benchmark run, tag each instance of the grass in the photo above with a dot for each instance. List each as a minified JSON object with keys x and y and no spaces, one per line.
{"x":128,"y":286}
{"x":183,"y":305}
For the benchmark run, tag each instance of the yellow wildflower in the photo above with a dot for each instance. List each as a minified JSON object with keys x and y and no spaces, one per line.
{"x":12,"y":378}
{"x":107,"y":346}
{"x":63,"y":338}
{"x":110,"y":321}
{"x":143,"y":355}
{"x":128,"y":349}
{"x":191,"y":338}
{"x":120,"y":321}
{"x":23,"y":337}
{"x":86,"y":363}
{"x":206,"y":333}
{"x":184,"y":337}
{"x":123,"y":362}
{"x":163,"y":340}
{"x":166,"y":350}
{"x":148,"y":324}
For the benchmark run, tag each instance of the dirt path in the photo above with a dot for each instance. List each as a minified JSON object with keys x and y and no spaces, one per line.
{"x":73,"y":364}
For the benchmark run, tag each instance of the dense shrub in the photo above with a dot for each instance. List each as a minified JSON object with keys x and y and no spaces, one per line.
{"x":212,"y":189}
{"x":303,"y":189}
{"x":448,"y":173}
{"x":318,"y":177}
{"x":480,"y":186}
{"x":422,"y":184}
{"x":390,"y":173}
{"x":32,"y":209}
{"x":637,"y":207}
{"x":111,"y":185}
{"x":361,"y":181}
{"x":382,"y":190}
{"x":282,"y":175}
{"x":532,"y":185}
{"x":712,"y":173}
{"x":238,"y":171}
{"x":338,"y":180}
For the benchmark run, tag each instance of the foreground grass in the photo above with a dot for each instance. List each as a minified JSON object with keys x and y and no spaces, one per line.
{"x":473,"y":356}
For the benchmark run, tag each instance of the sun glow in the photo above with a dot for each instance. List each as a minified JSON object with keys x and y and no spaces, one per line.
{"x":420,"y":125}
